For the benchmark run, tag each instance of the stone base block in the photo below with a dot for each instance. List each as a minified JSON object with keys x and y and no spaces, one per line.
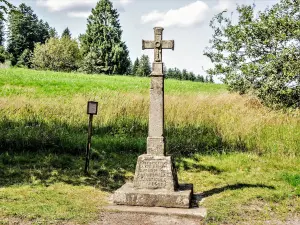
{"x":155,"y":172}
{"x":128,"y":195}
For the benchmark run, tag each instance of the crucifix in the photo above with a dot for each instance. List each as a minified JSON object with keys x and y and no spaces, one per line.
{"x":155,"y":181}
{"x":158,"y":44}
{"x":156,"y":140}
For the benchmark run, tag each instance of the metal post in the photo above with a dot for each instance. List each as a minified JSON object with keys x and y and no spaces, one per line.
{"x":88,"y":147}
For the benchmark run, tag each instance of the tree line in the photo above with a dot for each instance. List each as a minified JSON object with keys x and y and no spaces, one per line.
{"x":259,"y":54}
{"x":33,"y":43}
{"x":142,"y":67}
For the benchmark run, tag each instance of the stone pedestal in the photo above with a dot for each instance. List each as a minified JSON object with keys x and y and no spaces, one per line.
{"x":155,"y":185}
{"x":155,"y":172}
{"x":128,"y":195}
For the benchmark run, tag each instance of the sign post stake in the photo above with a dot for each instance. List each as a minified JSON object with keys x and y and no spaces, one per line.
{"x":92,"y":109}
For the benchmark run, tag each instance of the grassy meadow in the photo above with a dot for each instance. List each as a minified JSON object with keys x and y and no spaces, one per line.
{"x":241,"y":156}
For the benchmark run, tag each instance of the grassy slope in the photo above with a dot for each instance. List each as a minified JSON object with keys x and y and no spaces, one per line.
{"x":216,"y":137}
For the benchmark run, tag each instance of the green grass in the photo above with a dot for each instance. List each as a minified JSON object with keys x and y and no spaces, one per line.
{"x":242,"y":156}
{"x":243,"y":187}
{"x":55,"y":203}
{"x":48,"y":84}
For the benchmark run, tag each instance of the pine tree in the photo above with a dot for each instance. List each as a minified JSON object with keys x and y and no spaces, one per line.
{"x":5,"y":8}
{"x":53,"y":33}
{"x":199,"y":78}
{"x":144,"y":68}
{"x":43,"y":32}
{"x":135,"y":66}
{"x":102,"y":46}
{"x":191,"y":76}
{"x":2,"y":38}
{"x":185,"y":74}
{"x":66,"y":33}
{"x":129,"y":71}
{"x":177,"y":74}
{"x":206,"y":79}
{"x":24,"y":30}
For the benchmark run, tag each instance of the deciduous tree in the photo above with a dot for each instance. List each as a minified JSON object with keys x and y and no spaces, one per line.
{"x":260,"y":54}
{"x":144,"y":68}
{"x":57,"y":55}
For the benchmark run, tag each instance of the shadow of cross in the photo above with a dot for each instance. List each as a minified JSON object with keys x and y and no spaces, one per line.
{"x":156,"y":140}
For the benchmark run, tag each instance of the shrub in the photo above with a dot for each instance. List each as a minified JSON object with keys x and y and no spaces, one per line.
{"x":3,"y":54}
{"x":25,"y":59}
{"x":57,"y":54}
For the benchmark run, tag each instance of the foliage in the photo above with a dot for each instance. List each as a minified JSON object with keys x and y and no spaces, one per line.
{"x":144,"y":67}
{"x":53,"y":33}
{"x":66,"y":33}
{"x":135,"y":66}
{"x":3,"y":54}
{"x":261,"y":53}
{"x":5,"y":7}
{"x":24,"y":30}
{"x":200,"y":78}
{"x":57,"y":55}
{"x":175,"y":73}
{"x":25,"y":59}
{"x":2,"y":33}
{"x":102,"y":46}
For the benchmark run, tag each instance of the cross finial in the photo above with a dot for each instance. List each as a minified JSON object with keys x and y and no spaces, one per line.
{"x":158,"y":44}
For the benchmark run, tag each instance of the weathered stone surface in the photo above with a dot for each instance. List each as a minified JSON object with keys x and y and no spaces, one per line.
{"x":158,"y":44}
{"x":156,"y":111}
{"x":156,"y":146}
{"x":157,"y":69}
{"x":155,"y":180}
{"x":155,"y":172}
{"x":128,"y":195}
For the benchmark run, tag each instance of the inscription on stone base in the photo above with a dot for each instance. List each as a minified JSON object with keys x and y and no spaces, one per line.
{"x":155,"y":172}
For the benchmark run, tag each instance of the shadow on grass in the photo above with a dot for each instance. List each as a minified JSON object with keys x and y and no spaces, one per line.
{"x":230,"y":187}
{"x":36,"y":152}
{"x":187,"y":165}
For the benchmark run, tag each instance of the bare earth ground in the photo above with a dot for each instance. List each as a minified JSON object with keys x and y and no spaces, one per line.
{"x":124,"y":218}
{"x":116,"y":218}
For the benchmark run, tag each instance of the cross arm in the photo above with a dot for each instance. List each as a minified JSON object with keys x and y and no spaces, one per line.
{"x":148,"y":44}
{"x":168,"y":44}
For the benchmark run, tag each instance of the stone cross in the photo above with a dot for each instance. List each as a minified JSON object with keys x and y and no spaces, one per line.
{"x":156,"y":140}
{"x":155,"y":181}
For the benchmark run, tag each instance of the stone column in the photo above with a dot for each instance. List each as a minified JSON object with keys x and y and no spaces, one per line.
{"x":156,"y":140}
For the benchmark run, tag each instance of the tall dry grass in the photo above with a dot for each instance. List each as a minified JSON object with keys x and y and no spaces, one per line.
{"x":240,"y":121}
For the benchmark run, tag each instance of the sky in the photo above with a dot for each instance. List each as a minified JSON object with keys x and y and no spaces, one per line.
{"x":185,"y":21}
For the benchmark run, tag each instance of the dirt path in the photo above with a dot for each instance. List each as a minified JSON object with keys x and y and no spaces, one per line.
{"x":127,"y":218}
